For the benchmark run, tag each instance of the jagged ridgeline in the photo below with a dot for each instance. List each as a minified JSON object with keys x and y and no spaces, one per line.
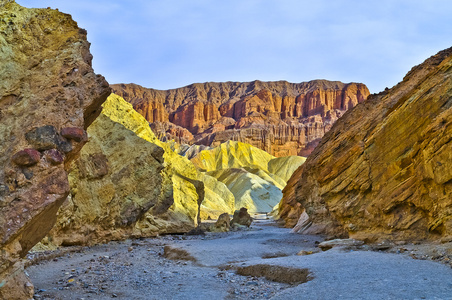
{"x":126,"y":182}
{"x":280,"y":118}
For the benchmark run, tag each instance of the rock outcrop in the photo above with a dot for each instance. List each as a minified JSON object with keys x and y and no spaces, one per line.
{"x":49,"y":95}
{"x":127,"y":183}
{"x":254,"y":177}
{"x":242,"y":218}
{"x":384,"y":171}
{"x":281,"y":118}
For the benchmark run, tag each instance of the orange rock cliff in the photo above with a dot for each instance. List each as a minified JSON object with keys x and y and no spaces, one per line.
{"x":384,"y":171}
{"x":281,"y":118}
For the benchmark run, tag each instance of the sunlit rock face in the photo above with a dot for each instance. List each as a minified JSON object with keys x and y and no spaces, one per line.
{"x":254,"y":177}
{"x":49,"y":95}
{"x":385,"y":168}
{"x":280,"y":118}
{"x":126,"y":183}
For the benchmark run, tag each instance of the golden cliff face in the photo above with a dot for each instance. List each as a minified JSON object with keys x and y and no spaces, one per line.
{"x":281,"y":118}
{"x":385,"y":168}
{"x":49,"y":95}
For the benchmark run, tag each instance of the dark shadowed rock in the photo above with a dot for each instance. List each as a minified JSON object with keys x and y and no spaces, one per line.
{"x":241,"y":217}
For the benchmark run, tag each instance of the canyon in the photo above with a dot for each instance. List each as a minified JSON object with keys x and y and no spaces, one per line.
{"x":280,"y":118}
{"x":120,"y":190}
{"x":128,"y":184}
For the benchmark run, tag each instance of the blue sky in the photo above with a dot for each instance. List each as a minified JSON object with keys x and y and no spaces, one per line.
{"x":172,"y":43}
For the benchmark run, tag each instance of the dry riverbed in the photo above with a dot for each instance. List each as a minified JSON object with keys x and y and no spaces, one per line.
{"x":206,"y":267}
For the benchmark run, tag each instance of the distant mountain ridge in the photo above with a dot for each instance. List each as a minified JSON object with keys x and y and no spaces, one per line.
{"x":279,"y":117}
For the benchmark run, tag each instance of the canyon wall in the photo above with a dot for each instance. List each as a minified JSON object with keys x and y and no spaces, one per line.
{"x":126,"y":183}
{"x":281,"y":118}
{"x":384,"y":171}
{"x":49,"y":95}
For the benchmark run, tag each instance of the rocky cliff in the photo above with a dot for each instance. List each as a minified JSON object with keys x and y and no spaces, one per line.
{"x":281,"y":118}
{"x":385,"y":168}
{"x":126,"y":183}
{"x":49,"y":95}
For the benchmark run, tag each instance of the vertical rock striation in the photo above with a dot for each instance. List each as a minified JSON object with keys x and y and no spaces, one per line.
{"x":281,"y":118}
{"x":49,"y":95}
{"x":385,"y":168}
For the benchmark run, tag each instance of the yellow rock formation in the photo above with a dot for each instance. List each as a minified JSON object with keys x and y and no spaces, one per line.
{"x":285,"y":166}
{"x":254,"y":177}
{"x":218,"y":199}
{"x":232,"y":155}
{"x":128,"y":183}
{"x":184,"y":193}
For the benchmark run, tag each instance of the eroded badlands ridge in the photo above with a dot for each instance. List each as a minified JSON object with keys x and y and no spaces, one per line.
{"x":385,"y":168}
{"x":281,"y":118}
{"x":49,"y":95}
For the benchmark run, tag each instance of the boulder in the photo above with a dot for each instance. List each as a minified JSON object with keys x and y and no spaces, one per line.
{"x":46,"y":84}
{"x":242,"y":218}
{"x":343,"y":243}
{"x":222,"y":224}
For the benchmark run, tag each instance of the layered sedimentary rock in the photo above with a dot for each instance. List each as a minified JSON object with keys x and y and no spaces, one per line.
{"x":254,"y":177}
{"x":385,"y":168}
{"x":128,"y":183}
{"x":281,"y":118}
{"x":49,"y":95}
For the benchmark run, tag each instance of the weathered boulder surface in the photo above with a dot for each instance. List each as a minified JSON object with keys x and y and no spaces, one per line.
{"x":254,"y":177}
{"x":49,"y":95}
{"x":127,"y":183}
{"x":384,"y":171}
{"x":223,"y":224}
{"x":241,"y":217}
{"x":281,"y":118}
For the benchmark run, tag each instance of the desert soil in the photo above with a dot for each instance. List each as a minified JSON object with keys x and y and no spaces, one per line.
{"x":206,"y":267}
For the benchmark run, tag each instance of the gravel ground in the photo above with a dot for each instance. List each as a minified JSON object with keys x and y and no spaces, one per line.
{"x":117,"y":271}
{"x":205,"y":268}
